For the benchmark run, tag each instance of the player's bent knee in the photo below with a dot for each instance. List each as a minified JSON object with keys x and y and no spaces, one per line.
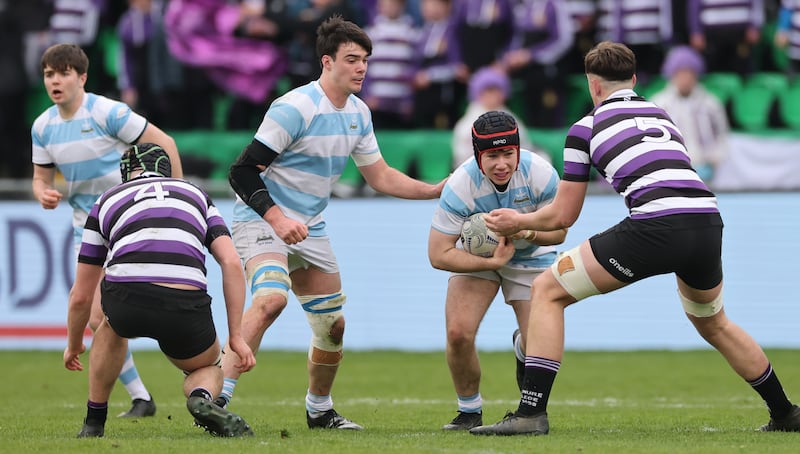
{"x":570,"y":272}
{"x":701,"y":310}
{"x":324,"y":313}
{"x":269,"y":277}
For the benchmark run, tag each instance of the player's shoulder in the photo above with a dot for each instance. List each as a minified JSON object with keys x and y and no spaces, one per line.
{"x":357,"y":103}
{"x":44,"y":119}
{"x":186,"y":183}
{"x":101,"y":107}
{"x":166,"y":182}
{"x":466,"y":169}
{"x":466,"y":175}
{"x":581,"y":130}
{"x":298,"y":103}
{"x":536,"y":172}
{"x":94,"y":101}
{"x":534,"y":159}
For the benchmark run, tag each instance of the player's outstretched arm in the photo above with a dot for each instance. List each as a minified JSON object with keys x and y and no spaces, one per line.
{"x":561,"y":214}
{"x":390,"y":181}
{"x":233,"y":289}
{"x":87,"y":278}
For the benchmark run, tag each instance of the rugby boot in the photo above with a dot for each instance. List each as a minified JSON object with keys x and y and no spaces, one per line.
{"x":140,"y":408}
{"x":789,"y":423}
{"x":216,"y":420}
{"x":514,"y":424}
{"x":331,"y":420}
{"x":91,"y":430}
{"x":464,"y":421}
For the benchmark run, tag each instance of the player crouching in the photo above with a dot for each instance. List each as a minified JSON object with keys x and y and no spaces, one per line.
{"x":145,"y":239}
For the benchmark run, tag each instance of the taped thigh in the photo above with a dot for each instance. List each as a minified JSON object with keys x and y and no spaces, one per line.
{"x":322,"y":311}
{"x":570,"y":272}
{"x":269,"y":277}
{"x":701,"y":310}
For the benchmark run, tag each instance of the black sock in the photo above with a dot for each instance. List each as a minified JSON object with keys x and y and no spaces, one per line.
{"x":540,"y":373}
{"x":770,"y":389}
{"x":96,"y":413}
{"x":200,"y":392}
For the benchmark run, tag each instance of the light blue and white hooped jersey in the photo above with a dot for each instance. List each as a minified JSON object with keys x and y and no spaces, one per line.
{"x":469,"y":191}
{"x":87,"y":148}
{"x":637,"y":148}
{"x":314,"y":140}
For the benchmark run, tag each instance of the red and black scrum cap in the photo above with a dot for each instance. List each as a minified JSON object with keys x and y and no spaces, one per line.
{"x":494,"y":130}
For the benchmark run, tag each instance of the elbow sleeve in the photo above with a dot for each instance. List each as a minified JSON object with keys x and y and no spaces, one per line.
{"x":244,"y":176}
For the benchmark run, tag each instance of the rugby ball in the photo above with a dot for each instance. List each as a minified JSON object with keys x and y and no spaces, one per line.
{"x":476,"y":238}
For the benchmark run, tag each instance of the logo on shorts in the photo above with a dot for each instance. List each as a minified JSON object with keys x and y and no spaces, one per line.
{"x":265,"y":239}
{"x":620,"y":268}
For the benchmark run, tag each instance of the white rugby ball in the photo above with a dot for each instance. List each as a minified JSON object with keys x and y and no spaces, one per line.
{"x":476,"y":238}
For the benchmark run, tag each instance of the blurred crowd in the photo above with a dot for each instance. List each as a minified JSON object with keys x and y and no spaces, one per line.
{"x":178,"y":61}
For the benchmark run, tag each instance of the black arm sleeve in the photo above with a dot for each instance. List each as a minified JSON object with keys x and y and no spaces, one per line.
{"x":245,"y":179}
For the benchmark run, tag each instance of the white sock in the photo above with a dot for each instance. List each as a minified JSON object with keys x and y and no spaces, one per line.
{"x":318,"y":404}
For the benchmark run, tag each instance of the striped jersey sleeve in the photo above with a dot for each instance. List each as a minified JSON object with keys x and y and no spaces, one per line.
{"x":637,"y":148}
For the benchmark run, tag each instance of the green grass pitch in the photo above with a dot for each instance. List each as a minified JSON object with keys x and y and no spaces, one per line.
{"x":615,"y":402}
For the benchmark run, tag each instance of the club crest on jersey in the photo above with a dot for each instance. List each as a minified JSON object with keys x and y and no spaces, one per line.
{"x":521,"y":197}
{"x":354,"y":123}
{"x":86,"y":127}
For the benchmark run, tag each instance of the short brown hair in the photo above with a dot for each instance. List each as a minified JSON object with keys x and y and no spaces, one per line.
{"x":64,"y":56}
{"x":336,"y":31}
{"x":611,"y":61}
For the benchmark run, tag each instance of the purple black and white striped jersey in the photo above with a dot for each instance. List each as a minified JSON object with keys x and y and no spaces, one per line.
{"x":152,"y":229}
{"x":636,"y":147}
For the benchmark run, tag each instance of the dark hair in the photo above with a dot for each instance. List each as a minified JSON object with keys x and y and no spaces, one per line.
{"x":64,"y":56}
{"x":147,"y":157}
{"x":336,"y":31}
{"x":611,"y":61}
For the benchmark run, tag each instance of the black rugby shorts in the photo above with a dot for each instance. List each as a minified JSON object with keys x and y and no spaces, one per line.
{"x":180,"y":320}
{"x":689,"y":245}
